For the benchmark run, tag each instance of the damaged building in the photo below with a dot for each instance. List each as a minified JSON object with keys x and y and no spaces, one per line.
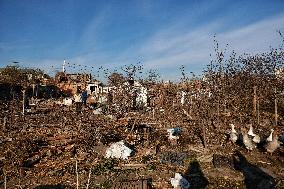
{"x":69,"y":84}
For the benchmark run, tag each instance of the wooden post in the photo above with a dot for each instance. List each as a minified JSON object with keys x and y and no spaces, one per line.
{"x":79,"y":126}
{"x":275,"y":104}
{"x":258,"y":112}
{"x":254,"y":101}
{"x":33,"y":85}
{"x":77,"y":175}
{"x":5,"y":182}
{"x":4,"y":123}
{"x":191,"y":106}
{"x":204,"y":134}
{"x":218,"y":114}
{"x":89,"y":178}
{"x":24,"y":99}
{"x":225,"y":112}
{"x":146,"y":135}
{"x":36,"y":91}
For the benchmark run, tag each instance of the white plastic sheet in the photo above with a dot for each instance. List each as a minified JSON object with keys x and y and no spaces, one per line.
{"x":179,"y":182}
{"x":67,"y":101}
{"x":118,"y":150}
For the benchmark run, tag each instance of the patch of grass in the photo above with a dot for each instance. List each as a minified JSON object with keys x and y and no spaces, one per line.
{"x":107,"y":184}
{"x":104,"y":166}
{"x":152,"y":166}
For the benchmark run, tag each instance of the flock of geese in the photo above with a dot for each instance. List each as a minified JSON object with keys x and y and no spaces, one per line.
{"x":251,"y":140}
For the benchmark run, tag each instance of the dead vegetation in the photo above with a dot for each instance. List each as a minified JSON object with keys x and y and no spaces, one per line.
{"x":55,"y":146}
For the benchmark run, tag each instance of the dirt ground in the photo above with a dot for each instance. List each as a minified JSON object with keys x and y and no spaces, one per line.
{"x":40,"y":150}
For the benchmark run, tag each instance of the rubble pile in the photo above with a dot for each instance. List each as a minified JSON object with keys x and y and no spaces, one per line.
{"x":137,"y":133}
{"x":42,"y":147}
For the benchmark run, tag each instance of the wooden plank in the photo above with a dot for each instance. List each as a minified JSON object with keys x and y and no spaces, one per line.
{"x":131,"y":184}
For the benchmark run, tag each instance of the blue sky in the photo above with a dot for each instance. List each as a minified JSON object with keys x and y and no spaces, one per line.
{"x":161,"y":34}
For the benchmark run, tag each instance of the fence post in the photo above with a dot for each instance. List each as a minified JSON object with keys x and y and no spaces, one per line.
{"x":254,"y":101}
{"x":24,"y":99}
{"x":275,"y":104}
{"x":258,"y":111}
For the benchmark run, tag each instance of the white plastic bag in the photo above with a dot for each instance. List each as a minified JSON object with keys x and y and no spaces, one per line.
{"x":118,"y":150}
{"x":67,"y":101}
{"x":179,"y":182}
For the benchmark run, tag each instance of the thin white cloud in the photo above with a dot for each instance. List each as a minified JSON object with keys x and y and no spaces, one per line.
{"x":91,"y":33}
{"x":257,"y":37}
{"x":174,"y":46}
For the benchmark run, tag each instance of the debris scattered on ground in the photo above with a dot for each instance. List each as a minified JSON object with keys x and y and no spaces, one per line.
{"x":175,"y":158}
{"x":179,"y":182}
{"x":100,"y":135}
{"x":223,"y":161}
{"x":118,"y":150}
{"x":133,"y":184}
{"x":67,"y":101}
{"x":174,"y":133}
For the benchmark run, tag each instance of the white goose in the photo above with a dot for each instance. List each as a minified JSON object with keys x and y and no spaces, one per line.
{"x":272,"y":145}
{"x":233,"y":134}
{"x":247,"y":140}
{"x":255,"y":137}
{"x":269,"y":138}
